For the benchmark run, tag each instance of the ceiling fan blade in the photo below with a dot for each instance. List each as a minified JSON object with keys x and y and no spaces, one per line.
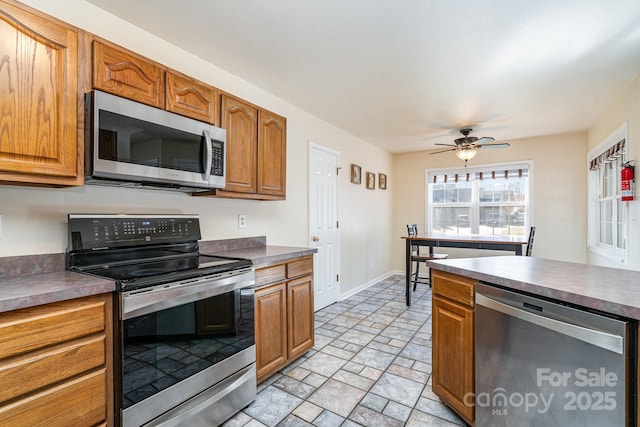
{"x":484,"y":140}
{"x":443,"y":151}
{"x":496,"y":145}
{"x":447,"y":145}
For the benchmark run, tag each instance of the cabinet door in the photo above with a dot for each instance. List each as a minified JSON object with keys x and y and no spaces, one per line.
{"x":240,"y":121}
{"x":38,"y":99}
{"x":128,"y":75}
{"x":191,"y":98}
{"x":453,"y":375}
{"x":272,"y":154}
{"x":271,"y":329}
{"x":299,"y":316}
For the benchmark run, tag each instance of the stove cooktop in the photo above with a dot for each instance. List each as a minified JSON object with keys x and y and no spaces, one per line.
{"x":142,"y":274}
{"x":139,"y":251}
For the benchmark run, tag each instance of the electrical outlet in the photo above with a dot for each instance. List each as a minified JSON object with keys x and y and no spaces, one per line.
{"x":242,"y":221}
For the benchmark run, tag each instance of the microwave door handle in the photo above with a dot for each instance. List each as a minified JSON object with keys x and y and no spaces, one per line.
{"x":209,"y":155}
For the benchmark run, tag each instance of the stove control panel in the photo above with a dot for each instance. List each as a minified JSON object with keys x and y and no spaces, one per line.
{"x":92,"y":232}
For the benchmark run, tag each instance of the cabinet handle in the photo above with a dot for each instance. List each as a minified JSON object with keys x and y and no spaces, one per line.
{"x":315,"y":238}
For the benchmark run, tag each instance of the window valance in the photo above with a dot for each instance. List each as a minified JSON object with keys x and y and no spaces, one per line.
{"x":480,"y":173}
{"x":609,"y":155}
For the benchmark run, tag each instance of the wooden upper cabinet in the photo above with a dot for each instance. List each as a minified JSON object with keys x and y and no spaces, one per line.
{"x":128,"y":75}
{"x":272,"y":153}
{"x":191,"y":98}
{"x":38,"y":99}
{"x":240,"y":120}
{"x":256,"y":151}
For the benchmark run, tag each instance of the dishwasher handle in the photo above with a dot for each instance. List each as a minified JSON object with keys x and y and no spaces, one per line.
{"x":600,"y":339}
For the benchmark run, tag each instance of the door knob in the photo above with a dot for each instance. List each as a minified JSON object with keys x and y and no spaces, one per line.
{"x":315,"y":238}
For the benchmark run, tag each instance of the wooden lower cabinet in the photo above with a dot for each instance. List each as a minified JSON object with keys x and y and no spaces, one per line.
{"x":55,"y":364}
{"x":453,"y":342}
{"x":271,"y":329}
{"x":299,"y":316}
{"x":284,"y":314}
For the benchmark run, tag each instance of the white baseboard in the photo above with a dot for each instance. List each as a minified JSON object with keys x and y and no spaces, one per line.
{"x":364,"y":286}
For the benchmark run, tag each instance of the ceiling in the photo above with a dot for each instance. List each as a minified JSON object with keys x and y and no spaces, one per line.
{"x":406,"y":74}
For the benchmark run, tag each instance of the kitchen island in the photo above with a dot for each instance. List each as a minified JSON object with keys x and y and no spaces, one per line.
{"x":455,"y":308}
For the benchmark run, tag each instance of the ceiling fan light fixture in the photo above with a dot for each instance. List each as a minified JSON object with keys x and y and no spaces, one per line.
{"x":466,"y":153}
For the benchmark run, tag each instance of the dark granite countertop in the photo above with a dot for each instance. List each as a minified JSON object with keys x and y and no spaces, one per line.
{"x":264,"y":255}
{"x":610,"y":290}
{"x":29,"y":290}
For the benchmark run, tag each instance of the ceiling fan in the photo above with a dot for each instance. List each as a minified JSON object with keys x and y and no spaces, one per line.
{"x":467,"y":146}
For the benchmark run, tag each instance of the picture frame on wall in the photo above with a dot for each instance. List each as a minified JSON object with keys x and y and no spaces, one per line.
{"x":371,"y":181}
{"x":382,"y":181}
{"x":356,"y":174}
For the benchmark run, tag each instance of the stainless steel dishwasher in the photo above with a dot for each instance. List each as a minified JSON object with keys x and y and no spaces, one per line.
{"x":540,"y":363}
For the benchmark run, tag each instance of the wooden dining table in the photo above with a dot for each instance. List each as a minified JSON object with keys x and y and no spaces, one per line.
{"x":470,"y":241}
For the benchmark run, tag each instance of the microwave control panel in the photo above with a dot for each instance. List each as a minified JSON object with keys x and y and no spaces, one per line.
{"x":217,"y":165}
{"x":87,"y":232}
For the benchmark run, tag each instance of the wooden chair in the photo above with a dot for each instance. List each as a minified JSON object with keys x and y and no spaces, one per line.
{"x":532,"y":233}
{"x":418,"y":258}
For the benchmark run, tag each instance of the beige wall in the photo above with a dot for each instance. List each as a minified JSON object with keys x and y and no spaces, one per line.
{"x":559,"y":193}
{"x":625,"y":109}
{"x":34,"y":220}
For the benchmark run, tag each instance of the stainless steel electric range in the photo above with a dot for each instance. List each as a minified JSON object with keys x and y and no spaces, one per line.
{"x":184,"y":322}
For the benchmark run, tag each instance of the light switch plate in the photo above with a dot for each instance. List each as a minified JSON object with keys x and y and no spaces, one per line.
{"x":242,"y":221}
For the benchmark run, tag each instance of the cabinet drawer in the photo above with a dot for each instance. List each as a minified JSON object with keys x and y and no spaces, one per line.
{"x":272,"y":274}
{"x":300,"y":267}
{"x":28,"y":373}
{"x":80,"y":402}
{"x":454,"y":287}
{"x":34,"y":328}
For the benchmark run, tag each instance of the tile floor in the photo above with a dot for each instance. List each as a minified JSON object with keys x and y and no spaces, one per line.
{"x":370,"y":366}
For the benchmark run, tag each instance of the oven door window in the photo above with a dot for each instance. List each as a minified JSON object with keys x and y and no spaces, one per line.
{"x":165,"y":347}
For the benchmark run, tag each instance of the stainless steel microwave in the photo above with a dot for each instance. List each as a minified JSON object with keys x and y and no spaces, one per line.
{"x":135,"y":145}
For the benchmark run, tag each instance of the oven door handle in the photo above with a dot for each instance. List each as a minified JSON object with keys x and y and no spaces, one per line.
{"x":205,"y":400}
{"x":148,"y":300}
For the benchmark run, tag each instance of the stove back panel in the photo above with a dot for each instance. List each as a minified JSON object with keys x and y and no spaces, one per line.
{"x":92,"y":232}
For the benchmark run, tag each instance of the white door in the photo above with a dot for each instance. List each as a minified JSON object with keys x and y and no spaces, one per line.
{"x":323,"y":224}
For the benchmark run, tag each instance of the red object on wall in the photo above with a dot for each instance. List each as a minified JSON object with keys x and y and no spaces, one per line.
{"x":626,"y":182}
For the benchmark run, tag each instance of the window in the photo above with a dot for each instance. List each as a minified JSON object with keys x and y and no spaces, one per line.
{"x":491,"y":200}
{"x":607,"y":212}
